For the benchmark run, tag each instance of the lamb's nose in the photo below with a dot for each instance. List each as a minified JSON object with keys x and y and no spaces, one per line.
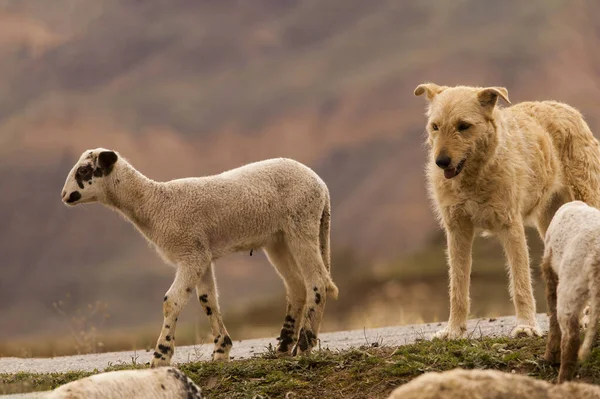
{"x":62,"y":195}
{"x":443,"y":161}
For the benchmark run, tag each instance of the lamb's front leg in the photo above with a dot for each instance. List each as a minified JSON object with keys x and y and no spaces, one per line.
{"x":175,"y":300}
{"x":515,"y":246}
{"x":460,"y":235}
{"x":209,"y":299}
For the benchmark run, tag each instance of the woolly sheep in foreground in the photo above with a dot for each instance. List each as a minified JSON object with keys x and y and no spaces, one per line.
{"x":158,"y":383}
{"x":489,"y":384}
{"x":571,"y":269}
{"x":279,"y":205}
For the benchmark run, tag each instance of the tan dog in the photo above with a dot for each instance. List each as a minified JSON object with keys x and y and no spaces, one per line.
{"x":498,"y":170}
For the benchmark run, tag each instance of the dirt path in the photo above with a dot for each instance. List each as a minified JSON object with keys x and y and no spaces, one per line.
{"x":243,"y":349}
{"x":392,"y":336}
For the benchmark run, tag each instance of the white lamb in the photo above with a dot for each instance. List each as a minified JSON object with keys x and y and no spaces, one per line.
{"x":489,"y":384}
{"x":158,"y":383}
{"x":571,"y":269}
{"x":279,"y":205}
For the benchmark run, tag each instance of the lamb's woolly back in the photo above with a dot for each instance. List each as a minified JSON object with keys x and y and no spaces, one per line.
{"x":488,"y":384}
{"x":571,"y":267}
{"x":159,"y":383}
{"x":279,"y":205}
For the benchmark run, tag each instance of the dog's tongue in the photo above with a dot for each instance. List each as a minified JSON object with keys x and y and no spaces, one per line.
{"x":449,"y":173}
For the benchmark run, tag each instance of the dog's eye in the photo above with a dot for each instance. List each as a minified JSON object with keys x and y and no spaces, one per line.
{"x":463,"y":126}
{"x":434,"y":126}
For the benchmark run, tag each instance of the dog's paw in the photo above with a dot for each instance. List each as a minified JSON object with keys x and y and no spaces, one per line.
{"x":449,"y":332}
{"x":525,"y":330}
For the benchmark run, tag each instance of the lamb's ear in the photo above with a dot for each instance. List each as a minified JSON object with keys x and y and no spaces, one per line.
{"x":430,"y":89}
{"x":106,"y":161}
{"x":489,"y":96}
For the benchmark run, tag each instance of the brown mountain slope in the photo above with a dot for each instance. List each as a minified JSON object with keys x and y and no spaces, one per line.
{"x":193,"y":88}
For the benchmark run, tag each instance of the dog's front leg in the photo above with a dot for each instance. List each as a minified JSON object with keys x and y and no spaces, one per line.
{"x":459,"y":233}
{"x":515,"y":246}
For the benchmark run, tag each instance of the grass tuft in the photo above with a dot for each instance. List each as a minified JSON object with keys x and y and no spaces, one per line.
{"x":366,"y":372}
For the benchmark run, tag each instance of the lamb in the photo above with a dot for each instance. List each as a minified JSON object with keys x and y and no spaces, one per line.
{"x":279,"y":205}
{"x":571,"y":270}
{"x":158,"y":383}
{"x":488,"y":384}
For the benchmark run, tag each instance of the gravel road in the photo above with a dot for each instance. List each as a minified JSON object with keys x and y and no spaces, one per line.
{"x":391,"y":336}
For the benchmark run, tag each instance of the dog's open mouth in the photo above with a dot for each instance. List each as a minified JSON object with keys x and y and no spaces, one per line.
{"x":449,"y":173}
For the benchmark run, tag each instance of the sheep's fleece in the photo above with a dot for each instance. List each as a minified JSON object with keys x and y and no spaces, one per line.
{"x":158,"y":383}
{"x":489,"y":384}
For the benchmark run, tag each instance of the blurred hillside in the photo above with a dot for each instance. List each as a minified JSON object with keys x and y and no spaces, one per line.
{"x":189,"y":87}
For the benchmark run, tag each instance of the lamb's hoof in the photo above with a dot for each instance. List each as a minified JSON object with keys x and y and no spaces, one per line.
{"x":283,"y":352}
{"x":159,"y":362}
{"x":297,"y":351}
{"x":525,"y":330}
{"x":585,"y":319}
{"x":552,"y":357}
{"x":449,"y":333}
{"x":220,"y":357}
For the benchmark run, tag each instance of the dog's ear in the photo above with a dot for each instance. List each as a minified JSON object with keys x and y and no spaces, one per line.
{"x":431,"y":89}
{"x":488,"y":97}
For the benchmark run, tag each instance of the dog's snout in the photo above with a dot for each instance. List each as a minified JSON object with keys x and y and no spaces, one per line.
{"x":443,"y":161}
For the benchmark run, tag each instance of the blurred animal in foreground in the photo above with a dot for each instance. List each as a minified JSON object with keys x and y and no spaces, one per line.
{"x":489,"y":384}
{"x":158,"y":383}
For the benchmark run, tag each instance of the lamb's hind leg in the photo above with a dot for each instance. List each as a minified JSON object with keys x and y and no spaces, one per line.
{"x":279,"y":255}
{"x":569,"y":345}
{"x":209,"y":299}
{"x":552,"y":353}
{"x":175,"y":300}
{"x":308,"y":258}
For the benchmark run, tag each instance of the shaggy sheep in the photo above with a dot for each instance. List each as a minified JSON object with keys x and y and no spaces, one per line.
{"x":159,"y":383}
{"x":489,"y":384}
{"x":571,"y":269}
{"x":279,"y":205}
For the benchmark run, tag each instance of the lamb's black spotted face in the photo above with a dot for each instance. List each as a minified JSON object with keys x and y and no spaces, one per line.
{"x":84,"y":182}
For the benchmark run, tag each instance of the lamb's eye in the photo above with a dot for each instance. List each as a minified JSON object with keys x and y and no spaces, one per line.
{"x":462,"y":126}
{"x":434,"y":127}
{"x":83,"y":170}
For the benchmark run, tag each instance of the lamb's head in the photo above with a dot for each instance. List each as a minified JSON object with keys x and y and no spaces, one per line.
{"x":460,"y":118}
{"x":86,"y":182}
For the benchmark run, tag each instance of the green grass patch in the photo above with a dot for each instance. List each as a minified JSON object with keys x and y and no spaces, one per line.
{"x":358,"y":373}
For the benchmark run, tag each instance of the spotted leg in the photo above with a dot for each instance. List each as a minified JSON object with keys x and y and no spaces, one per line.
{"x":281,"y":258}
{"x":310,"y":262}
{"x":175,"y":300}
{"x":209,"y":299}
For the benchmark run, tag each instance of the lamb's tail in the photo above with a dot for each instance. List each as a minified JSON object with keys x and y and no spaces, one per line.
{"x":592,"y":328}
{"x":324,"y":238}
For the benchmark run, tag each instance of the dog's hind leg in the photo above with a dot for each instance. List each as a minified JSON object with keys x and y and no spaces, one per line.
{"x":515,"y":246}
{"x":460,"y":235}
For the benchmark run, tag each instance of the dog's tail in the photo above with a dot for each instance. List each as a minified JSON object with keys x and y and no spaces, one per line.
{"x":579,"y":153}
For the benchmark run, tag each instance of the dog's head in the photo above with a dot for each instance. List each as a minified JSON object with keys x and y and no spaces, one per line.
{"x":459,"y":118}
